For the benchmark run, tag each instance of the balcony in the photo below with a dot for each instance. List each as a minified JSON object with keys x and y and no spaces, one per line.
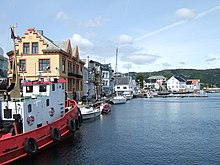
{"x":75,"y":74}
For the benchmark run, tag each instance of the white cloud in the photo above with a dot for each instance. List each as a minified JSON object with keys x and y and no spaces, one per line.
{"x":140,"y":58}
{"x":62,"y":16}
{"x":182,"y":63}
{"x":83,"y":43}
{"x":125,"y":39}
{"x":213,"y":57}
{"x":166,"y":65}
{"x":127,"y":66}
{"x":95,"y":22}
{"x":186,"y":13}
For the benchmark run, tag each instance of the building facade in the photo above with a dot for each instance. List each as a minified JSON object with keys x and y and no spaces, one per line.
{"x":3,"y":64}
{"x":40,"y":57}
{"x":107,"y":79}
{"x":176,"y":84}
{"x":123,"y":84}
{"x":154,"y":82}
{"x":98,"y":79}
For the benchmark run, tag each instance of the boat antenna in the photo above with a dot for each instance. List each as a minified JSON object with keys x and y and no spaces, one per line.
{"x":14,"y":87}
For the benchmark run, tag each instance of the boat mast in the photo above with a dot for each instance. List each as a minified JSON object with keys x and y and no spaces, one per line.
{"x":116,"y":66}
{"x":116,"y":69}
{"x":116,"y":63}
{"x":14,"y":87}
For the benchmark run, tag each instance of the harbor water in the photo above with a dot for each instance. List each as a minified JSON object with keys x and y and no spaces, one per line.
{"x":144,"y":131}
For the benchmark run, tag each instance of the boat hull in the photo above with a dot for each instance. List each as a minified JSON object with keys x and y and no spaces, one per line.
{"x":15,"y":147}
{"x":106,"y":109}
{"x":119,"y":100}
{"x":90,"y":115}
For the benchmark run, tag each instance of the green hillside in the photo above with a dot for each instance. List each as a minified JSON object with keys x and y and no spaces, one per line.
{"x":207,"y":76}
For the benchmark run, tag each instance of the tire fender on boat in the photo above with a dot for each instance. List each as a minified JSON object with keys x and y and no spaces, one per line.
{"x":30,"y":146}
{"x":80,"y":117}
{"x":71,"y":124}
{"x":77,"y":123}
{"x":55,"y":134}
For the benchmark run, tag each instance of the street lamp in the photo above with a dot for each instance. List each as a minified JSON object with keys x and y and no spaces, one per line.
{"x":57,"y":69}
{"x":47,"y":69}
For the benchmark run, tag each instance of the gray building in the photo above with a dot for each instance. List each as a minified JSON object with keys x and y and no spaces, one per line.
{"x":98,"y":79}
{"x":3,"y":70}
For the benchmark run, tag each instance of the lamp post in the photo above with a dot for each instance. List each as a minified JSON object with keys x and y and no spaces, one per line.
{"x":47,"y":69}
{"x":22,"y":69}
{"x":57,"y":70}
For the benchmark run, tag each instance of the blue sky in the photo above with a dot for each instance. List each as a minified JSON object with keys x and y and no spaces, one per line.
{"x":151,"y":35}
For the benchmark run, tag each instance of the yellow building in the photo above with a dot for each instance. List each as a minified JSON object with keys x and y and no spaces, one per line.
{"x":39,"y":56}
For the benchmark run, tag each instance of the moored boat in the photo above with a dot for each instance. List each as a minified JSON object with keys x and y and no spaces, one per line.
{"x":119,"y":100}
{"x":89,"y":112}
{"x":34,"y":121}
{"x":128,"y":95}
{"x":105,"y":108}
{"x":35,"y":118}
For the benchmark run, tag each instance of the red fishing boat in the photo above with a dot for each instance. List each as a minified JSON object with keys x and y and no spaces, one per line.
{"x":35,"y":118}
{"x":105,"y":108}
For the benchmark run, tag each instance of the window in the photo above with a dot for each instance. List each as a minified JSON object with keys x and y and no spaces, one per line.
{"x":11,"y":64}
{"x":124,"y":87}
{"x":43,"y":64}
{"x":42,"y":88}
{"x":26,"y":48}
{"x":29,"y":89}
{"x":29,"y":108}
{"x":47,"y":102}
{"x":63,"y":65}
{"x":105,"y":82}
{"x":34,"y":48}
{"x":22,"y":65}
{"x":53,"y":87}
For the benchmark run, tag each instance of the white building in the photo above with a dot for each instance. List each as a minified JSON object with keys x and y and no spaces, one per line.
{"x":195,"y":84}
{"x":123,"y":84}
{"x":154,"y":81}
{"x":107,"y":79}
{"x":176,"y":84}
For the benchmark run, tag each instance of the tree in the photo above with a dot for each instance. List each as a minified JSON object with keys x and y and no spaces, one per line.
{"x":139,"y":79}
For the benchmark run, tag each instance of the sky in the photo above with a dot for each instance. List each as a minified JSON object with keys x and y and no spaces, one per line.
{"x":151,"y":35}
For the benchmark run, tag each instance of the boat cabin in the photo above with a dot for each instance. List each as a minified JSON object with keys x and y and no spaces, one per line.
{"x":42,"y":102}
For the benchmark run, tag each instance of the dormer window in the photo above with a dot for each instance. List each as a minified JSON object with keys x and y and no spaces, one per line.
{"x":26,"y":48}
{"x":34,"y":48}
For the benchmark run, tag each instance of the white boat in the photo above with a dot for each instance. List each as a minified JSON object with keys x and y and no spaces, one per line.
{"x":149,"y":95}
{"x":128,"y":95}
{"x":119,"y":100}
{"x":89,"y":112}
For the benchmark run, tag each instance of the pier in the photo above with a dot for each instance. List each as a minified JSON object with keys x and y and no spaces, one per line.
{"x":182,"y":95}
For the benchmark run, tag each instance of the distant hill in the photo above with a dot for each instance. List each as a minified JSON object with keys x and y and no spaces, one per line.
{"x":206,"y":76}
